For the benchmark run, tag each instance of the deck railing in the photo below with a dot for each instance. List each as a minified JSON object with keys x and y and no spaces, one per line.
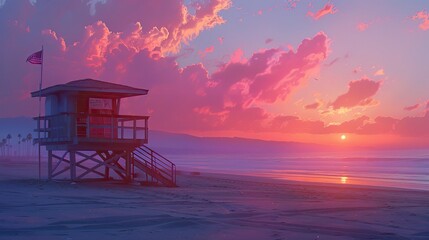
{"x":66,"y":127}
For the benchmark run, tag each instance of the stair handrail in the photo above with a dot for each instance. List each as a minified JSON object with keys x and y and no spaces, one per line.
{"x":165,"y":167}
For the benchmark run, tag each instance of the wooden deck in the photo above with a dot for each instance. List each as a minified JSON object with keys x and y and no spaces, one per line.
{"x":71,"y":131}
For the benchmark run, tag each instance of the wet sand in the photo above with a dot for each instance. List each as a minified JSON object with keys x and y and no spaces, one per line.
{"x":205,"y":206}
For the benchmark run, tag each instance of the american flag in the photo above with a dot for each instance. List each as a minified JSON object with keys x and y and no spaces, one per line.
{"x":35,"y":58}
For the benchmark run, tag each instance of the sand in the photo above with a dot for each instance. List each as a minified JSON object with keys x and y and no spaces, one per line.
{"x":205,"y":206}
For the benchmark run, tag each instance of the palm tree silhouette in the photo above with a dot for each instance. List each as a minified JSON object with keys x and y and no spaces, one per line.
{"x":4,"y":141}
{"x":29,"y":138}
{"x":19,"y":144}
{"x":9,"y":137}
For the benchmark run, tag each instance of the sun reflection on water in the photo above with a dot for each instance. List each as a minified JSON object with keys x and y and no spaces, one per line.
{"x":344,"y":180}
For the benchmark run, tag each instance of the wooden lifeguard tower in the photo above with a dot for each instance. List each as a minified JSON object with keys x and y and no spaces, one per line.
{"x":87,"y":138}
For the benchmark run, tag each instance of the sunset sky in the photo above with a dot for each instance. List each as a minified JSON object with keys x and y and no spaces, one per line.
{"x":295,"y":70}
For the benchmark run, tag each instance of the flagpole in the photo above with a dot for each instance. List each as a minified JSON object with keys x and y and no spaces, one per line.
{"x":40,"y":114}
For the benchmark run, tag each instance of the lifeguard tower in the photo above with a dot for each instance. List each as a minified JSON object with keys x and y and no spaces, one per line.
{"x":87,"y":138}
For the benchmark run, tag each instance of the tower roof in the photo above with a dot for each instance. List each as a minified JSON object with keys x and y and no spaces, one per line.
{"x":91,"y":87}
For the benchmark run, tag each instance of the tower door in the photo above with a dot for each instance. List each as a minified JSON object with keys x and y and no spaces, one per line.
{"x":102,"y":122}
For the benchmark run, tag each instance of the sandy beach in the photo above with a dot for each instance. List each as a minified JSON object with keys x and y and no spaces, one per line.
{"x":205,"y":206}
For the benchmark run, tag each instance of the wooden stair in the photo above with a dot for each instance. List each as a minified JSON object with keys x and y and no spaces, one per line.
{"x":157,"y":169}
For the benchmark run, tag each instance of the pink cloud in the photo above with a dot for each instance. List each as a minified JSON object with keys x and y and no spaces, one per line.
{"x":327,"y":9}
{"x":293,"y":124}
{"x":237,"y":56}
{"x":220,"y":40}
{"x":220,"y":101}
{"x":315,"y":105}
{"x":209,"y":49}
{"x":424,"y":17}
{"x":358,"y":94}
{"x":412,"y":107}
{"x":357,"y":70}
{"x":413,"y":126}
{"x":380,"y":125}
{"x":259,"y":12}
{"x":171,"y":18}
{"x":407,"y":126}
{"x":362,"y":26}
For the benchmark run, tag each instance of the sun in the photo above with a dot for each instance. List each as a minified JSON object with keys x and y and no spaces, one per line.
{"x":343,"y":137}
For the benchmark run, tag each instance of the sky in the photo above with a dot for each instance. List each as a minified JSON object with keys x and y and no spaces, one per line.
{"x":289,"y":70}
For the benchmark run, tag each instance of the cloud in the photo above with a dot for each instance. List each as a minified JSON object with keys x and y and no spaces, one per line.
{"x":220,"y":40}
{"x":357,"y":70}
{"x":412,"y":107}
{"x":379,"y":72}
{"x":228,"y":99}
{"x":362,"y":26}
{"x":358,"y":94}
{"x":237,"y":56}
{"x":268,"y":40}
{"x":180,"y":23}
{"x":327,"y":9}
{"x":363,"y":125}
{"x":332,"y":62}
{"x":104,"y":49}
{"x":3,"y":2}
{"x":92,"y":5}
{"x":424,"y":17}
{"x":311,"y":106}
{"x":413,"y":126}
{"x":209,"y":49}
{"x":380,"y":125}
{"x":293,"y":124}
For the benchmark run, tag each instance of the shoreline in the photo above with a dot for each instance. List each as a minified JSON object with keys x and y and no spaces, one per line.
{"x":206,"y":206}
{"x":266,"y":177}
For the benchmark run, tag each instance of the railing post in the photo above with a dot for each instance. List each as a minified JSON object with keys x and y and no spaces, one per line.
{"x":87,"y":125}
{"x":134,"y":129}
{"x":111,"y":128}
{"x":146,"y":130}
{"x":44,"y":128}
{"x":122,"y":129}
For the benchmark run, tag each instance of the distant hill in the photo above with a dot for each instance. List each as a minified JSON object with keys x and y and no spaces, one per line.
{"x":181,"y":143}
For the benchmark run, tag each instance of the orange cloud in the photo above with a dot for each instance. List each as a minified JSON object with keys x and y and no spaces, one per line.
{"x":359,"y":94}
{"x":59,"y":41}
{"x":327,"y":9}
{"x":379,"y":72}
{"x":424,"y":17}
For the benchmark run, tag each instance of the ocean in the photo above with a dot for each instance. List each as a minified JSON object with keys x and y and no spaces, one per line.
{"x":400,"y":170}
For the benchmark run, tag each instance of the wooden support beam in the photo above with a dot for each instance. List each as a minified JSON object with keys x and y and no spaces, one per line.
{"x":72,"y":165}
{"x":128,"y":166}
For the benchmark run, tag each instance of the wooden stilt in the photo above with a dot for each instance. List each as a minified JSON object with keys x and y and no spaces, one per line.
{"x":72,"y":165}
{"x":50,"y":165}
